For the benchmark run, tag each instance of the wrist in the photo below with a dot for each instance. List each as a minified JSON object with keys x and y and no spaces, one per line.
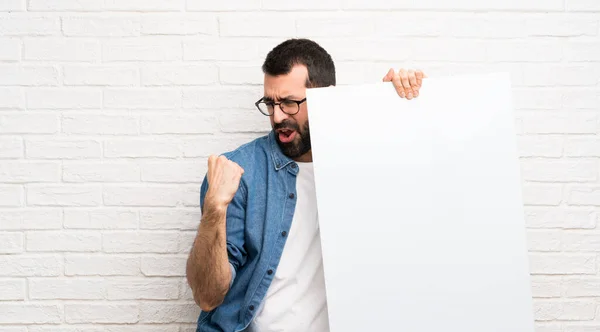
{"x":214,"y":207}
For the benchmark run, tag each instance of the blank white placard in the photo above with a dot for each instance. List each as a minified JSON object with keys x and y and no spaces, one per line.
{"x":420,"y":207}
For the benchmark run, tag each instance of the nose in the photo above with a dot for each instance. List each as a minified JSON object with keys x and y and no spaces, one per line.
{"x":278,"y":114}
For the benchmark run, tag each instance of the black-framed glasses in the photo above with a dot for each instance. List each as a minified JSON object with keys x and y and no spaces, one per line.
{"x":287,"y":106}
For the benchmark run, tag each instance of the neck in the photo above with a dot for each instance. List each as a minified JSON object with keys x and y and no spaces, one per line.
{"x":305,"y":158}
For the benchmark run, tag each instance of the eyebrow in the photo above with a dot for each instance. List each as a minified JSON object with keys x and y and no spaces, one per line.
{"x":288,"y":97}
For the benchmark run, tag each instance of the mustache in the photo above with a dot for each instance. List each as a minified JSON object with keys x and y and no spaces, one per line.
{"x":287,"y":125}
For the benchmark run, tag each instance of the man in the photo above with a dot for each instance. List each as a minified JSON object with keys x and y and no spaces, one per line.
{"x":256,"y":262}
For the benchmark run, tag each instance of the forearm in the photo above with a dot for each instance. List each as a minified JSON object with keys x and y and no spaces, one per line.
{"x":208,"y":270}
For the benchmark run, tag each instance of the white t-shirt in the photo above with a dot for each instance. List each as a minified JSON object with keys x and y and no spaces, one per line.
{"x":296,"y":301}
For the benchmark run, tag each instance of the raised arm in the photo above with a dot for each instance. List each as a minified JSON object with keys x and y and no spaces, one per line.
{"x":209,"y":271}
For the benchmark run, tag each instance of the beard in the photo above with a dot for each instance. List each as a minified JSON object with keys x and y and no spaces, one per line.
{"x":300,"y":145}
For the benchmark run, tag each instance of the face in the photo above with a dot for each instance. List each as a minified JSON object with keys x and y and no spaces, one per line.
{"x":292,"y":132}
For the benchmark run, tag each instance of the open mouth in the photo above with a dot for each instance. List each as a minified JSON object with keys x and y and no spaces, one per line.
{"x":286,"y":135}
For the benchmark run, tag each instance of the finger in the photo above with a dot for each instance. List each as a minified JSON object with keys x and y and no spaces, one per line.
{"x":388,"y":77}
{"x":413,"y":82}
{"x":211,"y":162}
{"x":406,"y":83}
{"x":398,"y":86}
{"x":419,"y":75}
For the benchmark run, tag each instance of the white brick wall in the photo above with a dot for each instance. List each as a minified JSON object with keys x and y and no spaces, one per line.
{"x":109,"y":109}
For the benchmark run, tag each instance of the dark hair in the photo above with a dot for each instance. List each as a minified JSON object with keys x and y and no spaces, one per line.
{"x":281,"y":59}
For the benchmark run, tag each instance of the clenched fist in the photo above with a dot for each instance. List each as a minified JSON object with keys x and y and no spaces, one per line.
{"x":223,"y":180}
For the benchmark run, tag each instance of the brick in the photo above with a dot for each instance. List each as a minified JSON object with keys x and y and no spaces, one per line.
{"x":202,"y":122}
{"x":580,"y":242}
{"x":542,"y":240}
{"x":63,"y":195}
{"x":143,"y":195}
{"x":584,"y":195}
{"x":164,"y":265}
{"x":581,"y":287}
{"x":65,"y":5}
{"x":18,"y":25}
{"x":581,"y":99}
{"x":142,"y":147}
{"x":491,"y":27}
{"x":101,"y":172}
{"x":11,"y":195}
{"x":582,"y":51}
{"x":230,"y":49}
{"x":581,"y":328}
{"x":258,"y":25}
{"x":560,"y":217}
{"x":61,"y":49}
{"x":180,"y":75}
{"x":578,"y":310}
{"x":27,"y":313}
{"x":172,"y":172}
{"x":186,"y":241}
{"x":548,"y":327}
{"x":583,"y":146}
{"x":180,"y":24}
{"x":140,"y":242}
{"x":102,"y":265}
{"x":28,"y":75}
{"x":12,"y":6}
{"x":106,"y":328}
{"x":541,"y":146}
{"x":546,"y":287}
{"x":101,"y":26}
{"x":142,"y":49}
{"x":148,"y":98}
{"x":28,"y":123}
{"x":73,"y":241}
{"x":106,"y":5}
{"x":221,"y":98}
{"x":11,"y":98}
{"x":542,"y":194}
{"x":548,"y":170}
{"x":96,"y":124}
{"x":555,"y":263}
{"x":215,"y":144}
{"x":233,"y":5}
{"x":11,"y":147}
{"x":164,"y":312}
{"x":62,"y":149}
{"x":180,"y":219}
{"x":232,"y":74}
{"x":12,"y":289}
{"x":10,"y":49}
{"x":244,"y":122}
{"x":94,"y":75}
{"x":101,"y":313}
{"x":66,"y":289}
{"x":369,"y":49}
{"x":533,"y":51}
{"x":143,"y":289}
{"x":470,"y":5}
{"x":339,"y":24}
{"x":104,"y":218}
{"x":561,"y":25}
{"x":64,"y":98}
{"x":27,"y":171}
{"x":582,"y":5}
{"x":11,"y":243}
{"x":547,"y":74}
{"x":26,"y":219}
{"x":542,"y":99}
{"x":559,"y":122}
{"x":29,"y":266}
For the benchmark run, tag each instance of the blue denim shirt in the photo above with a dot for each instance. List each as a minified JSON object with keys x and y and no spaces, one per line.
{"x":258,"y":220}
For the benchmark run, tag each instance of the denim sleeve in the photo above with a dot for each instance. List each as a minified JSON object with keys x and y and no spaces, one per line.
{"x":236,"y":213}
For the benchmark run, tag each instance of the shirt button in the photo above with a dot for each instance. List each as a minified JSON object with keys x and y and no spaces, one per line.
{"x":251,"y":307}
{"x":270,"y":272}
{"x":292,"y":195}
{"x":294,"y":166}
{"x":284,"y":233}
